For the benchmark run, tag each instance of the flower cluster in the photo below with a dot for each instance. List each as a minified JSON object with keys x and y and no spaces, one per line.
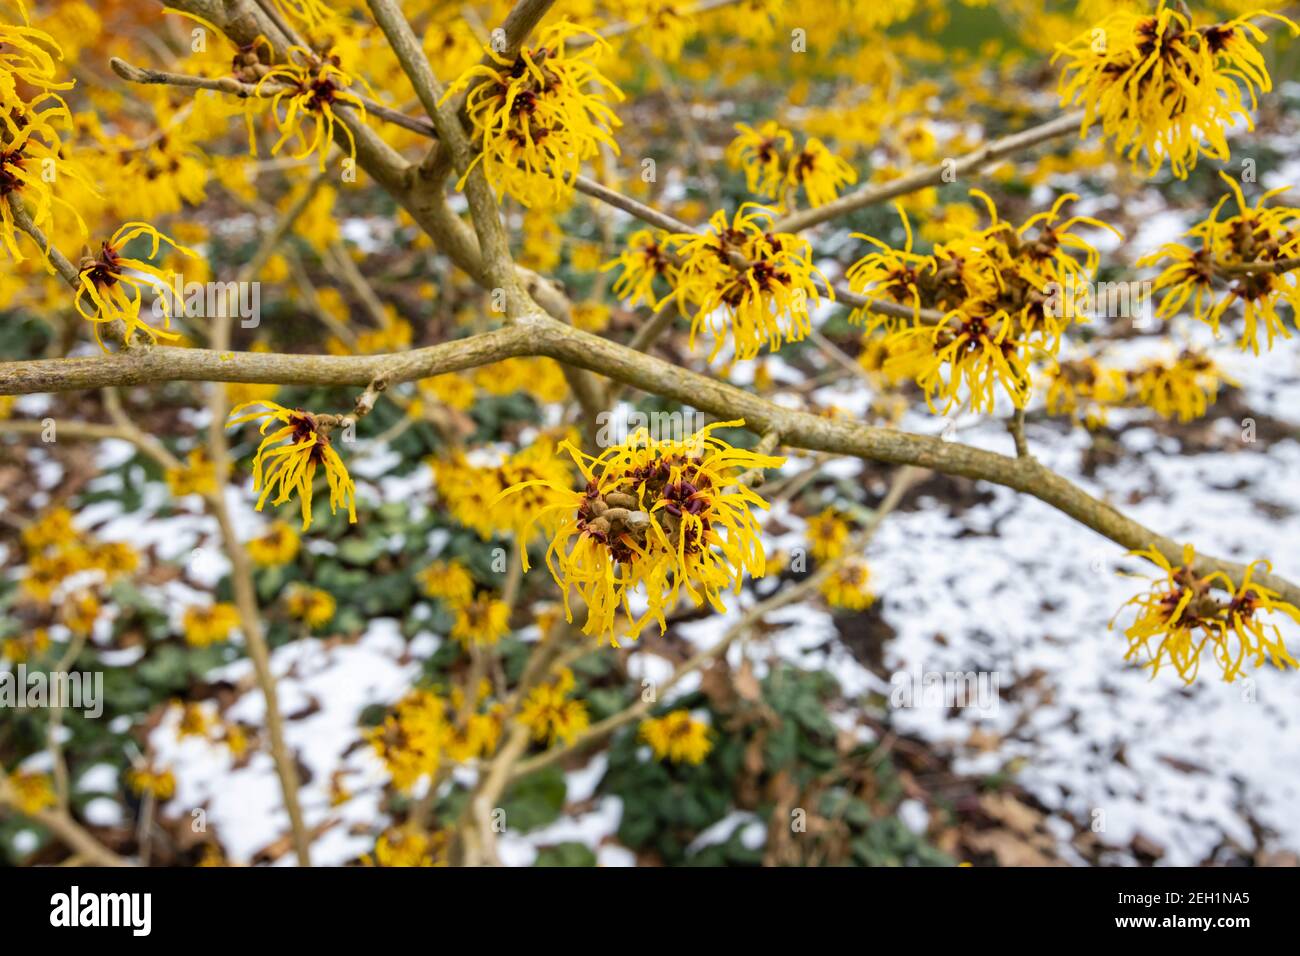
{"x":196,"y":476}
{"x":1184,"y":612}
{"x":291,"y":468}
{"x":747,"y":283}
{"x":409,"y":846}
{"x":1252,"y":258}
{"x":774,"y":169}
{"x":655,"y":517}
{"x":997,"y":298}
{"x":1162,"y":87}
{"x":425,"y":728}
{"x":471,"y":489}
{"x":314,"y":607}
{"x":539,"y":114}
{"x":740,"y":281}
{"x":1183,"y":386}
{"x":649,"y":256}
{"x":63,"y":563}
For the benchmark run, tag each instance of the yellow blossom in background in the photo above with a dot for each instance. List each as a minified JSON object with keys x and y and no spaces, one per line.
{"x":664,"y":26}
{"x":1085,"y":390}
{"x":278,"y":546}
{"x":551,"y":714}
{"x":235,"y":739}
{"x":453,"y":390}
{"x":411,"y":739}
{"x":483,"y":620}
{"x":848,"y":586}
{"x":410,"y":846}
{"x":209,"y":625}
{"x":539,"y":377}
{"x":160,"y":784}
{"x":677,"y":737}
{"x":472,"y":493}
{"x":1184,"y":387}
{"x":80,"y":611}
{"x":310,"y":605}
{"x":586,"y":256}
{"x":591,"y":316}
{"x":197,"y":477}
{"x":32,"y":792}
{"x":448,"y":581}
{"x":25,"y":647}
{"x":194,"y":721}
{"x":828,"y":533}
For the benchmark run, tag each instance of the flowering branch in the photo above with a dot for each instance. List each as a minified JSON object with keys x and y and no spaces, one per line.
{"x":935,"y":175}
{"x":539,"y":335}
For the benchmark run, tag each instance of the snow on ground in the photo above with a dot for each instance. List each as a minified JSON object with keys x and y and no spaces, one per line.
{"x":1010,"y":587}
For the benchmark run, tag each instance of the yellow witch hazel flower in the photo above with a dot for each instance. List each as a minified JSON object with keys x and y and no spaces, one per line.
{"x":747,"y":284}
{"x":550,"y":713}
{"x":1183,"y":613}
{"x":1255,"y":252}
{"x":472,"y":491}
{"x":448,"y":581}
{"x":210,"y":624}
{"x":484,"y":620}
{"x":540,"y":114}
{"x":774,"y":168}
{"x":111,"y":286}
{"x":1005,"y":294}
{"x":1185,"y":387}
{"x":32,"y":118}
{"x":33,"y":792}
{"x":411,"y":740}
{"x":159,"y":784}
{"x":761,"y":154}
{"x":648,"y":256}
{"x":1084,"y":389}
{"x":656,"y":517}
{"x":291,"y":468}
{"x":1161,"y":86}
{"x":313,"y":87}
{"x":848,"y":586}
{"x":677,"y":737}
{"x":313,"y":606}
{"x":279,"y":545}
